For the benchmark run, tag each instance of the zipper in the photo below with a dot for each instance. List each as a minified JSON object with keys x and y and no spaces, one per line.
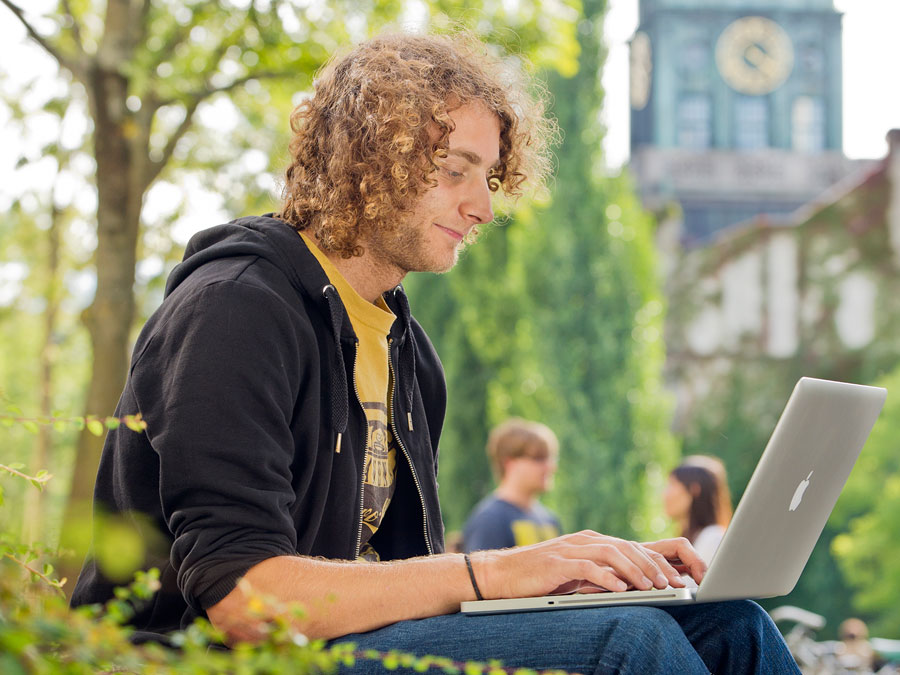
{"x":403,"y":447}
{"x":362,"y":478}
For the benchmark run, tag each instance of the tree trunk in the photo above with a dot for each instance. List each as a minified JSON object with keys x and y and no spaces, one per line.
{"x":110,"y":316}
{"x":34,"y":499}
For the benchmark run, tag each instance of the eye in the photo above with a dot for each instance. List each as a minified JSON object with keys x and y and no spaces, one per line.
{"x":452,"y":173}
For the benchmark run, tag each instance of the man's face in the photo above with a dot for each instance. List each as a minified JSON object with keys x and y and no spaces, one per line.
{"x":430,"y":238}
{"x":531,"y":473}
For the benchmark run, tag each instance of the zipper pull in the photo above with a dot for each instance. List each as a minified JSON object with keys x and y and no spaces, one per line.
{"x":409,"y":420}
{"x":337,"y":447}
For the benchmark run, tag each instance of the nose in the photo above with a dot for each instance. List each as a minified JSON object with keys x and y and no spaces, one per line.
{"x":476,"y":207}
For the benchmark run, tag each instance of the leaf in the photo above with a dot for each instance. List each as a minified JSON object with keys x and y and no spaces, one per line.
{"x":7,"y":421}
{"x":112,"y":423}
{"x":135,"y":423}
{"x":30,"y":425}
{"x":95,"y":426}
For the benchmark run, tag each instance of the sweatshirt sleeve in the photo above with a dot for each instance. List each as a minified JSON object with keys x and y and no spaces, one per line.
{"x":217,"y":384}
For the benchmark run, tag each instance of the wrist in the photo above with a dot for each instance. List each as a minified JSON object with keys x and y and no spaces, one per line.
{"x":472,"y":578}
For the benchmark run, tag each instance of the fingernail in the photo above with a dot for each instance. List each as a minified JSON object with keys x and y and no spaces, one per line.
{"x":646,"y":582}
{"x":661,"y":580}
{"x":620,"y":585}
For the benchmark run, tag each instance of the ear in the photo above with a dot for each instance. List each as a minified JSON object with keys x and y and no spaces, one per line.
{"x":694,"y":489}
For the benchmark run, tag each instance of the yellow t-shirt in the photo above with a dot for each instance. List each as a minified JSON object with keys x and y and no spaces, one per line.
{"x":372,"y":381}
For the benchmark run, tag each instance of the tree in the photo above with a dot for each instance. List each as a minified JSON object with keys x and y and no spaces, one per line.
{"x":869,"y":509}
{"x":595,"y":268}
{"x":145,"y":68}
{"x":148,"y":70}
{"x":557,"y":315}
{"x":43,"y":344}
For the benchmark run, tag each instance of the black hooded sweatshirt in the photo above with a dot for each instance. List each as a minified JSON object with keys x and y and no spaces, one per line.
{"x":255,"y":437}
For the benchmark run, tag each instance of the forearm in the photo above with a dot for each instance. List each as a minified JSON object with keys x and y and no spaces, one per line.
{"x":345,"y":597}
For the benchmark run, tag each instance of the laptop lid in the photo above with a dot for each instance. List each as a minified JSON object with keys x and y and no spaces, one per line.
{"x":793,"y":490}
{"x":782,"y":512}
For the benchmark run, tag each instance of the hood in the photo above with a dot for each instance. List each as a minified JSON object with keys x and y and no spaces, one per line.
{"x":262,"y":236}
{"x":277,"y":242}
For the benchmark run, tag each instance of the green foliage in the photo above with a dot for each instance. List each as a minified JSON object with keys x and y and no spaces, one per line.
{"x":870,"y":506}
{"x":594,"y":265}
{"x":556,"y":315}
{"x":39,"y":633}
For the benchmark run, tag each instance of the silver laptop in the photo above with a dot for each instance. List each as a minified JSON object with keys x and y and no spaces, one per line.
{"x":783,"y":511}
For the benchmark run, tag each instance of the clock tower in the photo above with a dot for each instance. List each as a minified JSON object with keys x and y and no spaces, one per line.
{"x":735,"y":108}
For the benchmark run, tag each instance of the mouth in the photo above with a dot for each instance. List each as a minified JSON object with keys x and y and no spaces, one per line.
{"x":451,"y":233}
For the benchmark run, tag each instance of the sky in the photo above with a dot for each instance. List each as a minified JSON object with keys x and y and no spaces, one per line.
{"x":871,"y":45}
{"x":871,"y":56}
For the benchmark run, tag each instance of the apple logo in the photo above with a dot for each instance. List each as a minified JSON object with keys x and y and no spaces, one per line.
{"x":798,"y":493}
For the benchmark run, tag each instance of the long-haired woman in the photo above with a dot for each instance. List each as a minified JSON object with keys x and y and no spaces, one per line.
{"x":696,"y":497}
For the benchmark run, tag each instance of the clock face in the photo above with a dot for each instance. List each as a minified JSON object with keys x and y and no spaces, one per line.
{"x":754,"y":55}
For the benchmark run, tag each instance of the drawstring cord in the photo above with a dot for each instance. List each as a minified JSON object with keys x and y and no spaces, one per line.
{"x":339,"y":391}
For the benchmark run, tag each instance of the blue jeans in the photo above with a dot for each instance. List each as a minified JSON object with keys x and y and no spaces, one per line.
{"x":723,"y":638}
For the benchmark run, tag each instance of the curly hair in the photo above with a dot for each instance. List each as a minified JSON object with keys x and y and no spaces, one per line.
{"x":365,"y":144}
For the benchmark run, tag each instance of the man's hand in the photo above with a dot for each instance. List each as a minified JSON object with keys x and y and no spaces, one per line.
{"x":606,"y":562}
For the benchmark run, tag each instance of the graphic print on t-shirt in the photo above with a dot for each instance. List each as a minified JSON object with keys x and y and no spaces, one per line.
{"x":380,"y":466}
{"x":372,"y":324}
{"x":527,"y":532}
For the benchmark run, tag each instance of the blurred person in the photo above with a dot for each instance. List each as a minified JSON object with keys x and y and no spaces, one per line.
{"x":696,"y":497}
{"x":294,"y":405}
{"x":523,"y":456}
{"x":717,"y":467}
{"x":854,"y":650}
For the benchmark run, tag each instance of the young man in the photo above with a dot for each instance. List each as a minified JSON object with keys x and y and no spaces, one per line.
{"x":294,"y":405}
{"x":523,"y":457}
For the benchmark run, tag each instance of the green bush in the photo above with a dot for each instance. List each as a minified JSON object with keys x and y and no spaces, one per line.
{"x":40,"y":633}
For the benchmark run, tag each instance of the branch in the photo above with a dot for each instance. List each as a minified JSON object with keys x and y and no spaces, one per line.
{"x":178,"y":35}
{"x":193,"y":101}
{"x":141,"y":22}
{"x":157,"y":166}
{"x":50,"y":582}
{"x":34,"y":479}
{"x":264,"y":75}
{"x":76,"y":28}
{"x":42,"y":41}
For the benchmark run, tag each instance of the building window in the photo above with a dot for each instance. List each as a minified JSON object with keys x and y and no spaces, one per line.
{"x":751,"y":123}
{"x":694,"y":122}
{"x":808,"y":124}
{"x":693,"y":58}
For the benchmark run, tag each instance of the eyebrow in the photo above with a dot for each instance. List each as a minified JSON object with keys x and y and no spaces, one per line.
{"x":469,"y":156}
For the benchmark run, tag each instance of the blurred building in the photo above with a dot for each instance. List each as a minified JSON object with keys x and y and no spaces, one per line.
{"x":774,"y":244}
{"x":819,"y":289}
{"x":735,"y":109}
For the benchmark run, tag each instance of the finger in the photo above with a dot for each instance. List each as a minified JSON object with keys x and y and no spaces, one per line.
{"x":602,"y":576}
{"x":628,"y":563}
{"x":653,"y":565}
{"x":680,"y":552}
{"x":669,"y":572}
